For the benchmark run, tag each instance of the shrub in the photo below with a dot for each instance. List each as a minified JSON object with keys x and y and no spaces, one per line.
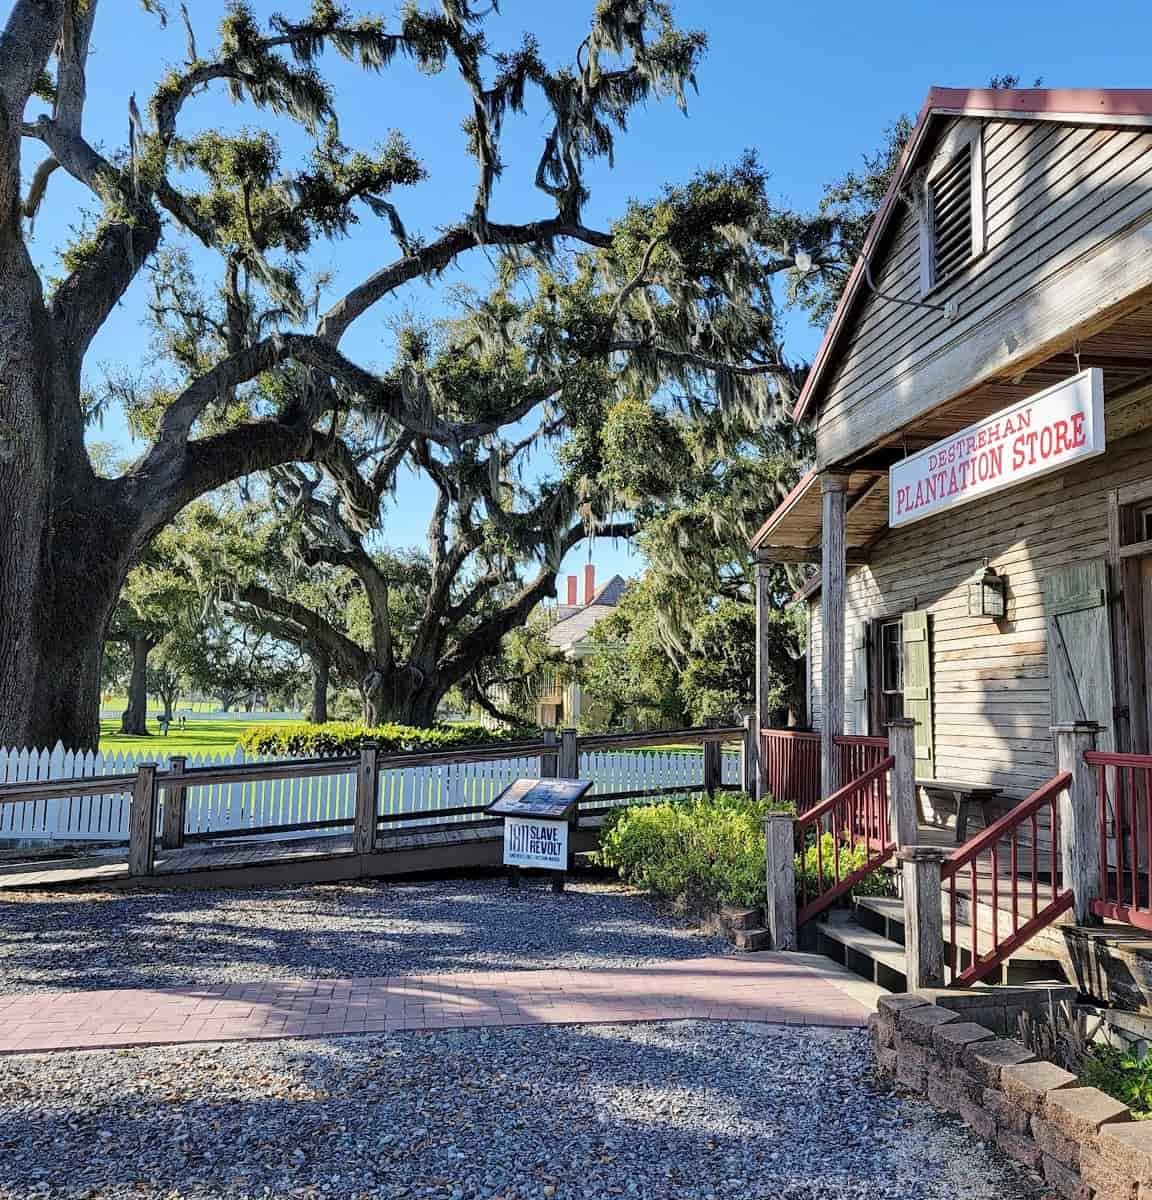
{"x":702,"y":850}
{"x":346,"y":737}
{"x":1121,"y":1075}
{"x":816,"y":873}
{"x":711,"y":850}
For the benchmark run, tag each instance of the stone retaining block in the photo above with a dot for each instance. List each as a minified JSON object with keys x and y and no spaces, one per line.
{"x":1084,"y":1144}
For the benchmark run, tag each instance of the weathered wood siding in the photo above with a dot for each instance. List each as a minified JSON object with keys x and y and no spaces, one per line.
{"x":991,"y":700}
{"x":1054,"y":193}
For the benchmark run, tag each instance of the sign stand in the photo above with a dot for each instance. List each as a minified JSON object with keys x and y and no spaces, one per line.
{"x":538,"y":816}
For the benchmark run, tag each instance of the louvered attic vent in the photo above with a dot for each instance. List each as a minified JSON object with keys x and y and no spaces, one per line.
{"x":950,"y":198}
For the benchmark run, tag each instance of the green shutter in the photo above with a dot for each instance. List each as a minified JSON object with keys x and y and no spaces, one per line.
{"x":858,"y":684}
{"x":918,"y":688}
{"x":1080,"y":646}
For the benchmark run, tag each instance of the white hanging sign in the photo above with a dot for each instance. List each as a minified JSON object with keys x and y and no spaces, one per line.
{"x":1058,"y":426}
{"x":529,"y":842}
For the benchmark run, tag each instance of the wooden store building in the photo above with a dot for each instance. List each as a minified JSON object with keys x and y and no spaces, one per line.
{"x":980,"y":508}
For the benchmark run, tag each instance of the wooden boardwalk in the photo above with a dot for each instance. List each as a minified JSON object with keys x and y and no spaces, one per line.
{"x":238,"y":862}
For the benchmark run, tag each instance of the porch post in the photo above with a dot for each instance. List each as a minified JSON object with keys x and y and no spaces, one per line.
{"x":763,"y":676}
{"x":923,"y":915}
{"x":1079,"y":818}
{"x":903,"y":819}
{"x":833,"y":567}
{"x":780,"y":900}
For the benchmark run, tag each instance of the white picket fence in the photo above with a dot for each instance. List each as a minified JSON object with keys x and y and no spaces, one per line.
{"x":231,"y":808}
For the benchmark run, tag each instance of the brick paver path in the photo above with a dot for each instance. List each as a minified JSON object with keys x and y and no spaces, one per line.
{"x":777,"y":988}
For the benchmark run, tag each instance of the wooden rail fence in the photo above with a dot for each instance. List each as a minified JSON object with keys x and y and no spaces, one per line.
{"x":382,"y":794}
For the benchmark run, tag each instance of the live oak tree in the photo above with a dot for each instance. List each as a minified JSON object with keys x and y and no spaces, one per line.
{"x":681,"y":289}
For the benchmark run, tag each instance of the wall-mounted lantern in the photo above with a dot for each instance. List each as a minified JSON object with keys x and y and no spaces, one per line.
{"x":987,"y":595}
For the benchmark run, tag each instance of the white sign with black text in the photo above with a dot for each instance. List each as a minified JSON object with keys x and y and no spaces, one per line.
{"x":1051,"y":430}
{"x":529,"y":842}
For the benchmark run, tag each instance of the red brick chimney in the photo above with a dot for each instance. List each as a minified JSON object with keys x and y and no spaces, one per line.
{"x":572,"y":591}
{"x":589,"y":582}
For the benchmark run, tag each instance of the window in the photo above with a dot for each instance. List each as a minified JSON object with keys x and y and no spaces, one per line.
{"x":952,"y":208}
{"x":891,"y":672}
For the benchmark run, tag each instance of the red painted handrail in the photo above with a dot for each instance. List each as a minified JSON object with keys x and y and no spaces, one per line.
{"x":984,"y":852}
{"x":847,"y":791}
{"x":990,"y":836}
{"x":1124,"y":813}
{"x":856,"y":815}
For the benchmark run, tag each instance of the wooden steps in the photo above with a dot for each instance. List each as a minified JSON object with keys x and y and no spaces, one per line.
{"x":869,"y":941}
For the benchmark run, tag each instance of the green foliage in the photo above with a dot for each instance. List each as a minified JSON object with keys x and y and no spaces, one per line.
{"x":711,"y":851}
{"x":818,"y":871}
{"x":629,"y":680}
{"x":702,"y":851}
{"x":1122,"y":1075}
{"x":717,"y":676}
{"x":346,"y":737}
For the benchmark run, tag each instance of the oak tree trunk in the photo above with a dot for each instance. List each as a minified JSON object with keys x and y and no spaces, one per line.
{"x":135,"y":718}
{"x":65,"y":536}
{"x":405,"y":695}
{"x":321,"y":669}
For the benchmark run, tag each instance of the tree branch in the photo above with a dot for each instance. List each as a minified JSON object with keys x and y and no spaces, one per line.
{"x":437,"y":255}
{"x":353,"y":658}
{"x":26,"y":43}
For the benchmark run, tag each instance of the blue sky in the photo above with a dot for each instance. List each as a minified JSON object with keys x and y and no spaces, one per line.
{"x":809,"y":87}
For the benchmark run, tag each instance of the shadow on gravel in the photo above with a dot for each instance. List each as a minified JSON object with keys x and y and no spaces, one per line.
{"x":654,"y":1111}
{"x":156,"y":939}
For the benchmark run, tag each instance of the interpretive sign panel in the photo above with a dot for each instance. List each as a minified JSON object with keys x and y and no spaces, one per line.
{"x":534,"y":843}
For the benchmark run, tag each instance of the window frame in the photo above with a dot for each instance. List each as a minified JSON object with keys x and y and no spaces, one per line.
{"x":965,"y":134}
{"x":876,"y":692}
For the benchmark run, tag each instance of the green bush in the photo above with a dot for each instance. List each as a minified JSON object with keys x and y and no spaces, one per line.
{"x":1121,"y":1075}
{"x":346,"y":737}
{"x":711,"y":850}
{"x":702,"y":850}
{"x":816,"y":873}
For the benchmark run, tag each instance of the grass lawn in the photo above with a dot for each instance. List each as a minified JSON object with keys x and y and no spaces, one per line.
{"x":198,"y":737}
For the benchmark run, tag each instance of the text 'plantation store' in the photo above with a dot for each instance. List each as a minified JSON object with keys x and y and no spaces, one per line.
{"x":981,"y":507}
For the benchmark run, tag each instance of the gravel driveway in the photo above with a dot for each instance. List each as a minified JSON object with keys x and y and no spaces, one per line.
{"x":333,"y":931}
{"x":682,"y":1111}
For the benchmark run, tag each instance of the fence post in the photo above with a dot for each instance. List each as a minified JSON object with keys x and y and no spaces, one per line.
{"x":712,"y":776}
{"x":367,"y":798}
{"x":750,"y":759}
{"x":175,"y":794}
{"x":923,"y":915}
{"x":1079,"y":818}
{"x":780,"y":900}
{"x":904,"y":819}
{"x":569,"y":764}
{"x":549,"y":760}
{"x":142,"y":821}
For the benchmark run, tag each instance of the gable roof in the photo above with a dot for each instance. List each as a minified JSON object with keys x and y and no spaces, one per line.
{"x":1105,"y":106}
{"x":578,"y":624}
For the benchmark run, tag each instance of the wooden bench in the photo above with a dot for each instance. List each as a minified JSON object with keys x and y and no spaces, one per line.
{"x":965,"y":796}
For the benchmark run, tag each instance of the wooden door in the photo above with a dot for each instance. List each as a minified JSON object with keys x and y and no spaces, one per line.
{"x":1080,"y":647}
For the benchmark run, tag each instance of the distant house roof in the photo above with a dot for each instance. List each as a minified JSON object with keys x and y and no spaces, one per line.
{"x":1080,"y":105}
{"x":576,"y":622}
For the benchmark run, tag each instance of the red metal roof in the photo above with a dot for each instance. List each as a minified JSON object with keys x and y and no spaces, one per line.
{"x":1096,"y":104}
